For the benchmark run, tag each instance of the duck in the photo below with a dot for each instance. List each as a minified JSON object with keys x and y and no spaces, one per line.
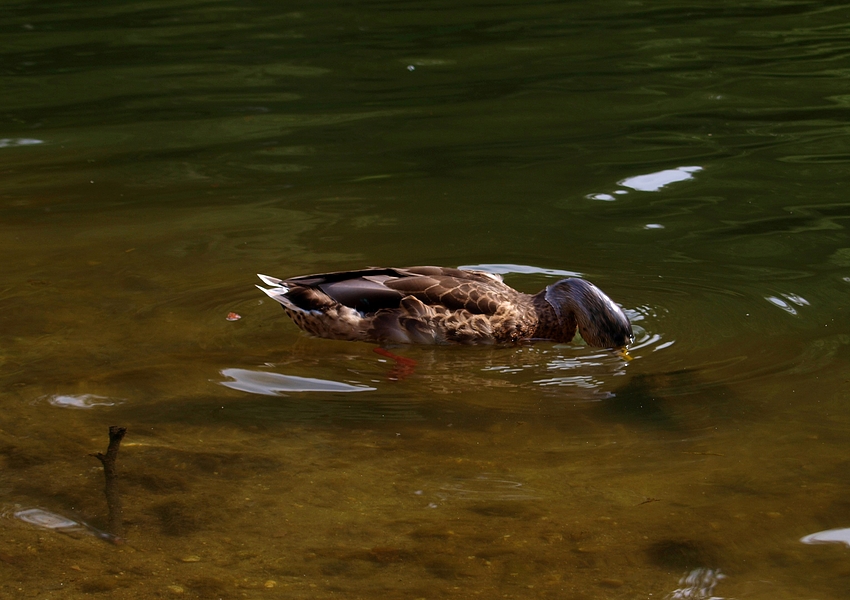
{"x":444,"y":305}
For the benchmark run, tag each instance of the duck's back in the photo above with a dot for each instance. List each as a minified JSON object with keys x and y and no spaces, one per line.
{"x":409,"y":305}
{"x":369,"y":290}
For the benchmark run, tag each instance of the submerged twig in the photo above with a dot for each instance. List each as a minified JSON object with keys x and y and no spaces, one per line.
{"x":113,"y":498}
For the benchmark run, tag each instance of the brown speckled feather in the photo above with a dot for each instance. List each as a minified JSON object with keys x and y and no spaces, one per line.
{"x":440,"y":305}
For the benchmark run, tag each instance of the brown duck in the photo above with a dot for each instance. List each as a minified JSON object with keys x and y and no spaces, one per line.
{"x":439,"y":305}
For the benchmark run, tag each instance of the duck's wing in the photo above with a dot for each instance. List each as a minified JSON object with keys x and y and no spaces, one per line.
{"x":370,"y":290}
{"x":462,"y":274}
{"x":363,"y":290}
{"x":477,"y":292}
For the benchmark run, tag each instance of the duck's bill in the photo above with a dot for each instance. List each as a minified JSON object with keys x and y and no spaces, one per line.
{"x":623,"y":353}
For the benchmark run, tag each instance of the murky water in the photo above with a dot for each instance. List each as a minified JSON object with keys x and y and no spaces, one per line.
{"x":690,"y":159}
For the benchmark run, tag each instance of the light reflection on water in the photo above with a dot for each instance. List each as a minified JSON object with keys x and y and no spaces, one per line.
{"x":45,"y":519}
{"x":649,"y":182}
{"x":80,"y":401}
{"x":653,"y":182}
{"x":786,"y":303}
{"x":274,"y":384}
{"x":830,"y":536}
{"x":13,"y":142}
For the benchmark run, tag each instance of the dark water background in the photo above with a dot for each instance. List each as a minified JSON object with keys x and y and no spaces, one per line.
{"x":690,"y":158}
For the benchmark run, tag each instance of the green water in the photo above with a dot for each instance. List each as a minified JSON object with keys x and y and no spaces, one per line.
{"x":154,"y":156}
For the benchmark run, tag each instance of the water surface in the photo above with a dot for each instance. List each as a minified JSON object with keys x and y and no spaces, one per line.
{"x":688,"y":158}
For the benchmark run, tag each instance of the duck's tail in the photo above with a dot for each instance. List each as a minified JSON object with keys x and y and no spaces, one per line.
{"x":277,"y":291}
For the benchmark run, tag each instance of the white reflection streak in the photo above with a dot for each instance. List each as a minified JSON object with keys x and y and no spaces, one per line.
{"x":778,"y":302}
{"x":830,"y":536}
{"x":564,"y":364}
{"x":786,"y":306}
{"x":12,"y":142}
{"x":650,"y":182}
{"x":798,"y":300}
{"x":274,"y":384}
{"x":582,"y":381}
{"x":653,"y":182}
{"x":503,"y":369}
{"x":47,"y":520}
{"x":79,"y":401}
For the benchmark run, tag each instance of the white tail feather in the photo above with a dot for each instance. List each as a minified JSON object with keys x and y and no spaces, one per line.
{"x":272,"y":281}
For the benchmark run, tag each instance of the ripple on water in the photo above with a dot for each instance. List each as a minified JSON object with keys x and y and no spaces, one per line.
{"x":486,"y":486}
{"x":698,"y":584}
{"x":669,"y":325}
{"x":500,"y":378}
{"x":642,"y":338}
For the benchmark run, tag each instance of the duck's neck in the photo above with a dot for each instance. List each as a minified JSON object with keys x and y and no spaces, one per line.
{"x":551,"y":325}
